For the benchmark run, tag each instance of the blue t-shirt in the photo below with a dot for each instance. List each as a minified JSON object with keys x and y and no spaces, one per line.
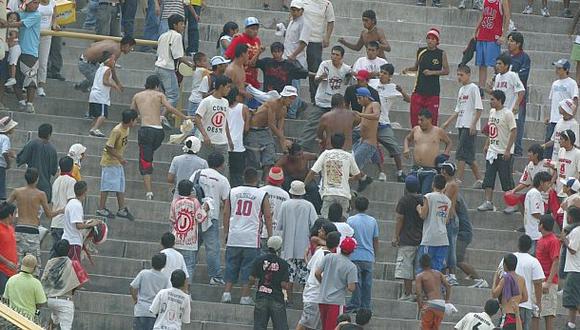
{"x":365,"y":230}
{"x":29,"y":34}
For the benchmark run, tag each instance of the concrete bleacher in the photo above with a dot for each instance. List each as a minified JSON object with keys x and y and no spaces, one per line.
{"x":105,"y":302}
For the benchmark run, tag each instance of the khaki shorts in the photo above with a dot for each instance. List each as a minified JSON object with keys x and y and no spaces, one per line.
{"x":310,"y":316}
{"x":550,"y":301}
{"x":405,"y":266}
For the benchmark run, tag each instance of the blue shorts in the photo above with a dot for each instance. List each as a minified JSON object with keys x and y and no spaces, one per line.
{"x":486,"y":53}
{"x":239,"y":262}
{"x":191,"y":108}
{"x":113,"y":179}
{"x":438,"y":256}
{"x":363,"y":153}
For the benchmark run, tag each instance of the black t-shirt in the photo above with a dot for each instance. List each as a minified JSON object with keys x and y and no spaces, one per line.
{"x":271,"y":271}
{"x":412,"y":230}
{"x":428,"y":60}
{"x":350,"y":97}
{"x":276,"y":74}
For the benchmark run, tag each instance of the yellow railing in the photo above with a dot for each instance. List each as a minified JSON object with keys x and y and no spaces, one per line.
{"x":94,"y":37}
{"x":11,"y":316}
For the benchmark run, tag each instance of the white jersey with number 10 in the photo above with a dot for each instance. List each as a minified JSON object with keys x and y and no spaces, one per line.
{"x":246,"y":216}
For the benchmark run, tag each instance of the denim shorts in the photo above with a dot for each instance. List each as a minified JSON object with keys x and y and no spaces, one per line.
{"x":113,"y":179}
{"x":486,"y":53}
{"x":239,"y":261}
{"x":466,"y":146}
{"x":363,"y":153}
{"x":438,"y":256}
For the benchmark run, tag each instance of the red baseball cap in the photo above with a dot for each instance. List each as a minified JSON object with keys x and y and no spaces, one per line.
{"x":363,"y":75}
{"x":348,"y":245}
{"x":276,"y":176}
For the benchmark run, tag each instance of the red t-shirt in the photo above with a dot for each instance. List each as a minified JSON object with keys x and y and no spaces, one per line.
{"x":491,"y":27}
{"x":547,"y":250}
{"x":8,"y":248}
{"x":254,"y":45}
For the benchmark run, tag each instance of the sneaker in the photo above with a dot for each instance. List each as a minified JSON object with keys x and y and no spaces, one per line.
{"x":105,"y":213}
{"x":513,"y":26}
{"x":477,"y":5}
{"x":226,"y":297}
{"x":436,"y":3}
{"x":149,"y":196}
{"x":10,"y":82}
{"x":40,"y":91}
{"x":528,"y":10}
{"x":510,"y":210}
{"x":421,"y":3}
{"x":452,"y":280}
{"x":408,"y":297}
{"x":30,"y":108}
{"x":545,"y":12}
{"x":214,"y":281}
{"x":96,"y":132}
{"x":480,"y":283}
{"x":382,"y":177}
{"x":363,"y":184}
{"x":246,"y":301}
{"x":401,"y":177}
{"x":567,"y":13}
{"x":486,"y":206}
{"x":477,"y":184}
{"x":461,"y":4}
{"x":78,"y":87}
{"x":124,"y":213}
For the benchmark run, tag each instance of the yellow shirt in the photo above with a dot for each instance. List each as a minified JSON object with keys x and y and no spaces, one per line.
{"x":118,"y":141}
{"x":195,"y":2}
{"x":76,"y":172}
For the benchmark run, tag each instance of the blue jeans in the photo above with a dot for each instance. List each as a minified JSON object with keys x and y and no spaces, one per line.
{"x":128,"y":12}
{"x":190,"y":258}
{"x":107,"y":20}
{"x":293,"y":109}
{"x":211,"y":240}
{"x":192,"y":31}
{"x":170,"y":85}
{"x":361,"y":297}
{"x":520,"y":124}
{"x":91,"y":17}
{"x":267,"y":308}
{"x":425,"y":177}
{"x":151,"y":29}
{"x":452,"y":231}
{"x":549,"y":131}
{"x":163,"y":26}
{"x":143,"y":323}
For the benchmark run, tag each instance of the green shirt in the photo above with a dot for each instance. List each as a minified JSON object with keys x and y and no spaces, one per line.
{"x":24,"y":292}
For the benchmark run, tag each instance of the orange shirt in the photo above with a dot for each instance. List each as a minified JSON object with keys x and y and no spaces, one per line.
{"x":8,"y":248}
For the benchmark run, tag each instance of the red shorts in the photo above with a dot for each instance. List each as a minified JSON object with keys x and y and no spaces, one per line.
{"x":74,"y":252}
{"x":431,"y":319}
{"x":329,"y":314}
{"x":419,"y":102}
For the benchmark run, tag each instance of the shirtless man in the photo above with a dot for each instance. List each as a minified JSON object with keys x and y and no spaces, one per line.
{"x":268,"y":120}
{"x":366,"y":147}
{"x":98,"y":52}
{"x":150,"y":136}
{"x":337,"y":120}
{"x":452,"y":192}
{"x":429,"y":282}
{"x":427,"y":139}
{"x":510,"y":300}
{"x":29,"y":199}
{"x":236,"y":69}
{"x":370,"y":33}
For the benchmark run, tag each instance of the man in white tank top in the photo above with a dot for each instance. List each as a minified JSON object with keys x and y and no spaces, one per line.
{"x":243,"y":213}
{"x":100,"y":97}
{"x":238,"y":117}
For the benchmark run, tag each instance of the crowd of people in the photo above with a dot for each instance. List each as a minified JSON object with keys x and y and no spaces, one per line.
{"x":289,"y":211}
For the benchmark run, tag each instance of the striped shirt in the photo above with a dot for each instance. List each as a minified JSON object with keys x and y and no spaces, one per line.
{"x":170,"y":7}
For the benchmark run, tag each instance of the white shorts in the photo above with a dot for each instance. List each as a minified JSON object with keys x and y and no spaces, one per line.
{"x":13,"y":54}
{"x":62,"y":312}
{"x":310,"y":316}
{"x":113,"y":179}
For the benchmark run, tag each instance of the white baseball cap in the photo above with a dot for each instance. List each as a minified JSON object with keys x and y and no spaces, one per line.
{"x":251,"y":21}
{"x":568,"y":105}
{"x":217,"y":60}
{"x":192,"y":143}
{"x":289,"y":91}
{"x":297,"y":4}
{"x":572,"y":183}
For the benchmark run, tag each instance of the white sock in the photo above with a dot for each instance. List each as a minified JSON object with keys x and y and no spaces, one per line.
{"x":23,"y":102}
{"x":571,"y":325}
{"x":399,"y":172}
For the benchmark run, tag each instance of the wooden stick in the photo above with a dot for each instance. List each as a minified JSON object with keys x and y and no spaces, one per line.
{"x":94,"y":37}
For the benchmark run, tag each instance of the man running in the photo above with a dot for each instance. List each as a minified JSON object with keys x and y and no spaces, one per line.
{"x":338,"y":120}
{"x":150,"y":136}
{"x":429,"y":282}
{"x":366,"y":148}
{"x":426,"y":137}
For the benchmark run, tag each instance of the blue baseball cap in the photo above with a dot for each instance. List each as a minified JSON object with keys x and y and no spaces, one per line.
{"x":412,"y":184}
{"x":364,"y":92}
{"x":562,"y":63}
{"x":251,"y":21}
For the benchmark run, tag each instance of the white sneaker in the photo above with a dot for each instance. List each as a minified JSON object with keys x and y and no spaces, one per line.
{"x":382,"y":177}
{"x":246,"y":301}
{"x":477,"y":184}
{"x":149,"y":196}
{"x":510,"y":210}
{"x":545,"y":12}
{"x":461,"y":4}
{"x":513,"y":26}
{"x":30,"y":108}
{"x":96,"y":132}
{"x":480,"y":283}
{"x":226,"y":297}
{"x":40,"y":91}
{"x":10,"y":82}
{"x":214,"y":281}
{"x":452,"y":280}
{"x":528,"y":10}
{"x":408,"y":297}
{"x":486,"y":206}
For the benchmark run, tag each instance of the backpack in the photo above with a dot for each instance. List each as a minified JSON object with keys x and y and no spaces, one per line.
{"x":199,"y":193}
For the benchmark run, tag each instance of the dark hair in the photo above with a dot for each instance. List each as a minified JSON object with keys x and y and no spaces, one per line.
{"x":6,"y":209}
{"x":510,"y":262}
{"x":498,"y":95}
{"x":491,"y":307}
{"x":537,"y":150}
{"x":316,"y":226}
{"x":31,"y":175}
{"x":370,"y":14}
{"x":173,"y":20}
{"x":250,"y":175}
{"x":464,"y":68}
{"x":167,"y":240}
{"x":339,"y":49}
{"x":389,"y":68}
{"x":337,"y":100}
{"x":524,"y":243}
{"x":197,"y":57}
{"x":343,"y":318}
{"x":294,"y":148}
{"x":425,"y":113}
{"x":61,"y":248}
{"x":44,"y":131}
{"x":518,"y":38}
{"x":540,"y":178}
{"x":425,"y":261}
{"x":568,"y":135}
{"x":363,"y":316}
{"x":547,"y":222}
{"x":574,"y":214}
{"x":361,"y":203}
{"x":329,"y":227}
{"x":439,"y":182}
{"x":152,"y":82}
{"x":65,"y":164}
{"x":215,"y":160}
{"x":13,"y":13}
{"x":332,"y":240}
{"x":373,"y":44}
{"x":505,"y":58}
{"x":178,"y":278}
{"x":184,"y":187}
{"x":229,"y":26}
{"x":220,"y":81}
{"x":337,"y":140}
{"x":335,"y":212}
{"x":158,"y":261}
{"x":128,"y":116}
{"x":276,"y":46}
{"x":127,"y":40}
{"x":80,"y":188}
{"x":240,"y":50}
{"x":232,"y":95}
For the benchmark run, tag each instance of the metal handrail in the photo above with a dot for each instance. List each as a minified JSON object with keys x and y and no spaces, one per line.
{"x":94,"y":37}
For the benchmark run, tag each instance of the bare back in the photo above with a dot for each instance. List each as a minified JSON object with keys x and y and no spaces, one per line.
{"x":508,"y":305}
{"x":29,"y":200}
{"x":260,"y":117}
{"x":337,"y":121}
{"x":431,"y":281}
{"x":237,"y":74}
{"x":426,"y":146}
{"x":148,"y":104}
{"x":95,"y":52}
{"x":369,"y":127}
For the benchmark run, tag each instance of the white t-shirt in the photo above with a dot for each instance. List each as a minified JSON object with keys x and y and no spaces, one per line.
{"x":276,"y":196}
{"x":73,"y":214}
{"x":335,"y":166}
{"x":236,"y":125}
{"x":568,"y":165}
{"x":345,"y":231}
{"x":216,"y":187}
{"x":335,"y":83}
{"x":100,"y":93}
{"x":562,"y":89}
{"x":174,"y":262}
{"x":388,"y":94}
{"x":468,"y":102}
{"x":372,"y":66}
{"x":511,"y":85}
{"x":4,"y":148}
{"x":479,"y":321}
{"x":296,"y":32}
{"x":573,"y":260}
{"x":46,"y":12}
{"x":170,"y":48}
{"x":213,"y":112}
{"x":561,"y":126}
{"x":172,"y":307}
{"x":317,"y":13}
{"x":501,"y":124}
{"x":533,"y":204}
{"x":204,"y":85}
{"x":531,"y":170}
{"x":196,"y":95}
{"x":311,"y":291}
{"x":63,"y":189}
{"x":245,"y":216}
{"x":530,"y":269}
